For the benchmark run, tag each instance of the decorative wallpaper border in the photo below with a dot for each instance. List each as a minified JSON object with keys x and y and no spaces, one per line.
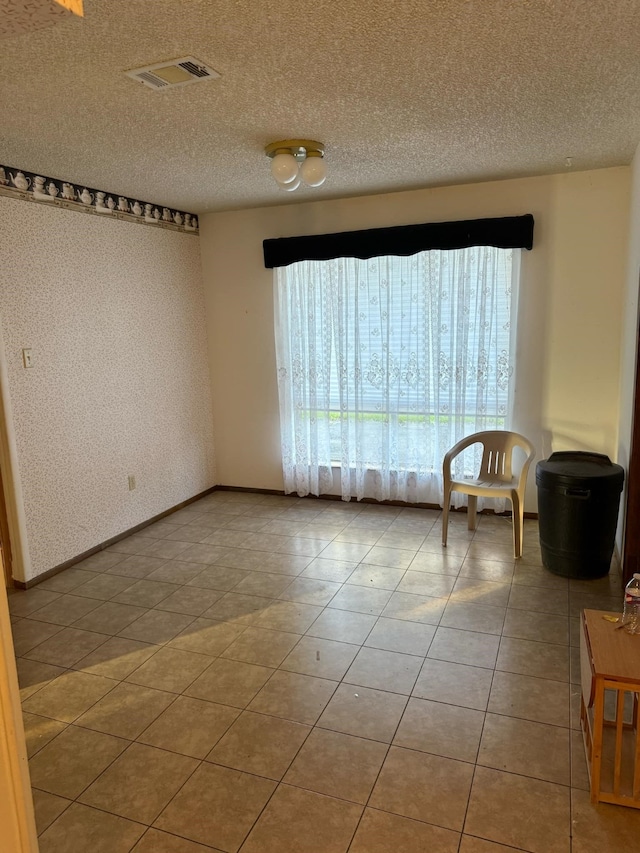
{"x":30,"y":186}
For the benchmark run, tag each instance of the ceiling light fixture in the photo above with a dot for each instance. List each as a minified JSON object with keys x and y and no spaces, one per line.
{"x":297,"y":161}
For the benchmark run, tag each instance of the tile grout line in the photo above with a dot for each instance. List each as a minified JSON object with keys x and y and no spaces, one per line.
{"x":326,"y":608}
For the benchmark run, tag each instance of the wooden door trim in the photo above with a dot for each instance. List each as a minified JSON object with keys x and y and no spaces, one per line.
{"x":5,"y":537}
{"x":17,"y":823}
{"x":20,"y":565}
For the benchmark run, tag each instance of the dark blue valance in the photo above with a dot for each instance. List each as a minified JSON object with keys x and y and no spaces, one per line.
{"x":507,"y":232}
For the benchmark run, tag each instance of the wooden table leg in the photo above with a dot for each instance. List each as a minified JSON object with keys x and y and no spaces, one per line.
{"x":598,"y":734}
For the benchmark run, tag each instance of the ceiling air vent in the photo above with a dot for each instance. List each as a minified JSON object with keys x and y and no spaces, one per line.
{"x":174,"y":73}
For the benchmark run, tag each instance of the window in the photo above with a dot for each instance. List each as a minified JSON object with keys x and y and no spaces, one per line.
{"x":384,"y":363}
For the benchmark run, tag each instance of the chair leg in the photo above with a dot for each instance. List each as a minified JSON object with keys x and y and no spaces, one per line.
{"x":518,"y":524}
{"x":472,"y":506}
{"x":445,"y":515}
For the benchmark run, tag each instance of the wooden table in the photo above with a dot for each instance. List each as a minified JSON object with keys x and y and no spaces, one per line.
{"x":610,"y":711}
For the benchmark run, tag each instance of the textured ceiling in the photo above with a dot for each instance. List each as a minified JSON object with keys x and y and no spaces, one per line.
{"x":404,"y":94}
{"x":21,"y":16}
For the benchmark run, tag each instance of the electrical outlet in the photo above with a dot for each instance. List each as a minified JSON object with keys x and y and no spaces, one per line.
{"x":132,"y":482}
{"x":27,"y":357}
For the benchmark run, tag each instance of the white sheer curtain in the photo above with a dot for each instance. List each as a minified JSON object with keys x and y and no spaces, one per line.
{"x":384,"y":364}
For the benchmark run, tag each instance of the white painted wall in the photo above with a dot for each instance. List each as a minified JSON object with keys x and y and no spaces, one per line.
{"x":570,"y":316}
{"x":629,"y":337}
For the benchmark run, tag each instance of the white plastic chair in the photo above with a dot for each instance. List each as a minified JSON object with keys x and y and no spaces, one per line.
{"x":495,"y":479}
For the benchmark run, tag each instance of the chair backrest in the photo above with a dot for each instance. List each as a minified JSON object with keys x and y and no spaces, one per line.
{"x":497,"y":454}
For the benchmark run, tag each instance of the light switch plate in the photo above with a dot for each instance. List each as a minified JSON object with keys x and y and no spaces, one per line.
{"x":27,"y":357}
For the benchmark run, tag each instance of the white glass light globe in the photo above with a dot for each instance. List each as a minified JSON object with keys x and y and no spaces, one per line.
{"x":313,"y":171}
{"x":284,"y":168}
{"x":291,"y":186}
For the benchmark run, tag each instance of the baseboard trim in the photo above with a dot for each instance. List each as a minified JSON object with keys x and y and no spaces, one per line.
{"x":327,"y":497}
{"x":248,"y":489}
{"x":80,"y":557}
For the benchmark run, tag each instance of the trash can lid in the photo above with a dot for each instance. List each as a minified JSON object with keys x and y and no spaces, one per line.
{"x":572,"y":467}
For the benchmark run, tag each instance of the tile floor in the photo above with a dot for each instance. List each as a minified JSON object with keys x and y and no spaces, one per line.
{"x":277,"y":675}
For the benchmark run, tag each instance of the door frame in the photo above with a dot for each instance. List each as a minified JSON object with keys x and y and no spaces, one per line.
{"x":18,"y":564}
{"x":5,"y":538}
{"x":17,"y":821}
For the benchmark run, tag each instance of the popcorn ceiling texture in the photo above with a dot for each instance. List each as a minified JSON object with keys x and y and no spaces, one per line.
{"x":404,"y":94}
{"x":22,"y":16}
{"x":120,"y":384}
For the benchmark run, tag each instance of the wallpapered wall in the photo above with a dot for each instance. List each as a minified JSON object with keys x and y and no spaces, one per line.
{"x":114,"y":315}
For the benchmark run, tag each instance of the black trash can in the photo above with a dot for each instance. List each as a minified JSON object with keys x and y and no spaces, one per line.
{"x":578,"y":500}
